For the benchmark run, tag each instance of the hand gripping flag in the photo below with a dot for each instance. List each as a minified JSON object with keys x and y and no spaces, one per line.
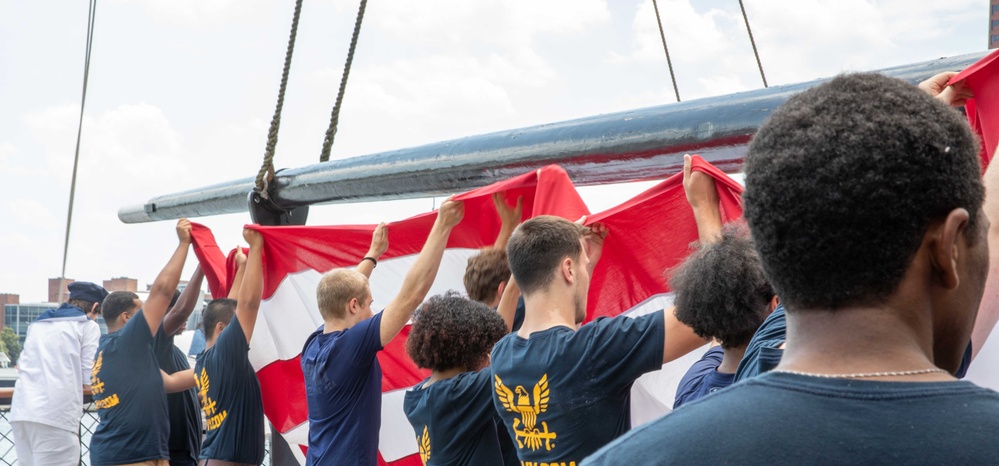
{"x":649,"y":234}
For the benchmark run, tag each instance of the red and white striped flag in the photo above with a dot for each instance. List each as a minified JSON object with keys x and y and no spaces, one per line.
{"x":648,"y":235}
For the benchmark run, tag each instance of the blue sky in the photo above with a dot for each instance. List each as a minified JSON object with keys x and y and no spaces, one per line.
{"x":181,"y":93}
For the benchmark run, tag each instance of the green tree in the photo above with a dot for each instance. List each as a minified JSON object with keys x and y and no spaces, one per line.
{"x":12,"y":344}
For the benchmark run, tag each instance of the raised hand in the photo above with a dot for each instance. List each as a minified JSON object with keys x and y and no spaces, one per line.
{"x":954,"y":95}
{"x":184,"y":230}
{"x":451,"y":213}
{"x":379,"y":241}
{"x":509,"y":215}
{"x":698,"y":186}
{"x":252,"y":236}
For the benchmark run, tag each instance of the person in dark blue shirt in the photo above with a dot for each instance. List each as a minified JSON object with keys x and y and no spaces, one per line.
{"x":185,"y":415}
{"x":451,"y":411}
{"x":720,"y":291}
{"x":487,"y":274}
{"x":563,"y":393}
{"x":864,"y":198}
{"x":227,"y":384}
{"x":128,"y":387}
{"x":343,"y":378}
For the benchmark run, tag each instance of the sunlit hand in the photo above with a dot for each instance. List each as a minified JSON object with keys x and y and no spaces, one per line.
{"x":240,"y":256}
{"x":379,"y":241}
{"x":698,"y":186}
{"x":954,"y":95}
{"x":252,"y":236}
{"x":451,"y":213}
{"x":184,"y":231}
{"x":509,"y":216}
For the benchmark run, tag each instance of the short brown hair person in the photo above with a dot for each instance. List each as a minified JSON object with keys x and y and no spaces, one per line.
{"x":484,"y":273}
{"x":337,"y":288}
{"x":538,"y":246}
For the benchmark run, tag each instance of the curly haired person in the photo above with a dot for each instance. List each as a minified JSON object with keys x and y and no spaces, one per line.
{"x":451,"y":411}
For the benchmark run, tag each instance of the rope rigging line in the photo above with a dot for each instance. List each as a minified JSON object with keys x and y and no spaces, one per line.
{"x":335,"y":117}
{"x":267,"y":168}
{"x":91,"y":14}
{"x":753,"y":42}
{"x":669,"y":62}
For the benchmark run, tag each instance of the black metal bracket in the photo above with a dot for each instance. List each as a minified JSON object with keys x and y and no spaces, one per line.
{"x":264,"y":211}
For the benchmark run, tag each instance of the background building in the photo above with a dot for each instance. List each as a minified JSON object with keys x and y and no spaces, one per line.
{"x":993,"y":24}
{"x":122,"y":284}
{"x":54,"y":288}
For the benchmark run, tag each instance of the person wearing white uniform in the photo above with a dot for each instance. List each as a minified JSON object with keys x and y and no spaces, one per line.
{"x":53,"y":371}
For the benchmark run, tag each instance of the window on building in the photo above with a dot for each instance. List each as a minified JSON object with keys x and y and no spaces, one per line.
{"x":995,"y":38}
{"x":995,"y":9}
{"x":995,"y":23}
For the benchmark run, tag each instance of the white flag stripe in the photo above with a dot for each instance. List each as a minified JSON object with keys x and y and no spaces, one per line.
{"x":396,"y":440}
{"x":291,"y":314}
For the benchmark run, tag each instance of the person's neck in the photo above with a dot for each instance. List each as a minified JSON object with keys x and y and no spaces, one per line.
{"x":336,"y":325}
{"x":731,"y":358}
{"x":547,"y":309}
{"x":857,"y":340}
{"x":210,"y":343}
{"x":437,"y":376}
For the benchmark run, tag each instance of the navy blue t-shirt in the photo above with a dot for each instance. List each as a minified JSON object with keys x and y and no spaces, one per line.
{"x":343,"y":383}
{"x":780,"y":418}
{"x":230,"y":398}
{"x":703,"y":378}
{"x":764,"y":353}
{"x":185,"y":416}
{"x":563,"y":394}
{"x":454,"y":420}
{"x":131,"y":403}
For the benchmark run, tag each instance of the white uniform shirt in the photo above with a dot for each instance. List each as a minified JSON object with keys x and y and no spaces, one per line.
{"x":56,"y":362}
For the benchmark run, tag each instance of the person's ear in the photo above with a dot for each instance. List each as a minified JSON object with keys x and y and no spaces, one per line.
{"x":944,"y":247}
{"x":218,"y":328}
{"x":565,"y":268}
{"x":774,"y":302}
{"x":353,"y":305}
{"x":501,"y":288}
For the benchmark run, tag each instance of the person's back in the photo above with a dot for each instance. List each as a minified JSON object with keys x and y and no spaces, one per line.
{"x":564,"y":393}
{"x":129,"y":396}
{"x":49,"y":373}
{"x":451,"y":411}
{"x":865,"y":203}
{"x":780,"y":418}
{"x":53,"y":370}
{"x":342,"y":375}
{"x":226,"y":381}
{"x":342,"y":366}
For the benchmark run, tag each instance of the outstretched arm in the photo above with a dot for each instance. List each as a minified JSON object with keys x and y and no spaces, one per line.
{"x":509,"y":217}
{"x":703,"y":198}
{"x":421,"y":275}
{"x":240,"y":269}
{"x":178,"y":381}
{"x":507,"y":308}
{"x":680,"y":339}
{"x":379,"y":244}
{"x":252,"y":285}
{"x":165,"y":284}
{"x":185,"y":304}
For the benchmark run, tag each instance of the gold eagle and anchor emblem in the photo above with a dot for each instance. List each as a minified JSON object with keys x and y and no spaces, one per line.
{"x":530,"y":435}
{"x":424,"y":445}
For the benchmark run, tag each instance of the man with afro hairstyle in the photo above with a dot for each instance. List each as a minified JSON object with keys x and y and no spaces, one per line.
{"x":451,"y":410}
{"x":720,"y":291}
{"x":864,"y":200}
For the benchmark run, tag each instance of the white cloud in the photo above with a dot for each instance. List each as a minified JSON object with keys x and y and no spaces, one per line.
{"x":29,"y":212}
